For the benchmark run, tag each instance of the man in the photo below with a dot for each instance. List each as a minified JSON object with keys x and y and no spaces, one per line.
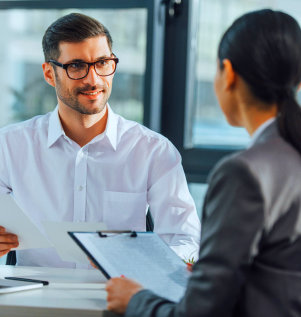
{"x":82,"y":162}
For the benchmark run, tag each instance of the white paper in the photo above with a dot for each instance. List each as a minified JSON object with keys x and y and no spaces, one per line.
{"x":17,"y":222}
{"x":57,"y":233}
{"x":145,"y":258}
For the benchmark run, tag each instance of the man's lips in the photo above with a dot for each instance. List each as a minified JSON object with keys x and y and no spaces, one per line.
{"x":92,"y":94}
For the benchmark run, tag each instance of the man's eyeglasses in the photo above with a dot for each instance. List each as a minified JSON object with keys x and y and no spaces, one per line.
{"x":79,"y":70}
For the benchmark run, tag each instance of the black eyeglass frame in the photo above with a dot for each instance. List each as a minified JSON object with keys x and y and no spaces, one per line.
{"x":65,"y":66}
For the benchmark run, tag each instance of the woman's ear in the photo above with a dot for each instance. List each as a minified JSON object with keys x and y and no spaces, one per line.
{"x":229,"y":73}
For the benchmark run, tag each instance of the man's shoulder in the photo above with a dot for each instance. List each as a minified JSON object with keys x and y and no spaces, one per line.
{"x":137,"y":131}
{"x":24,"y":127}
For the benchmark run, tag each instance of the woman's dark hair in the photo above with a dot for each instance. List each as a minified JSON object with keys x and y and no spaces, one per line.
{"x":264,"y":48}
{"x":74,"y":27}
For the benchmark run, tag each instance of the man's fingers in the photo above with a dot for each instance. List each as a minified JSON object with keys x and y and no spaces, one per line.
{"x":8,"y":238}
{"x":7,"y":242}
{"x":8,"y":246}
{"x":2,"y":229}
{"x":3,"y":252}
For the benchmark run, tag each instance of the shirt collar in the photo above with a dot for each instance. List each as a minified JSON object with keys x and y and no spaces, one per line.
{"x":260,"y":129}
{"x":111,"y":128}
{"x":55,"y":129}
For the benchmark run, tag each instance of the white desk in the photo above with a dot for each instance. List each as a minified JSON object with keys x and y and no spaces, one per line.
{"x":71,"y":292}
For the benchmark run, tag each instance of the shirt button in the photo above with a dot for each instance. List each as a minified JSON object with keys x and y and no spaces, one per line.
{"x":80,"y":188}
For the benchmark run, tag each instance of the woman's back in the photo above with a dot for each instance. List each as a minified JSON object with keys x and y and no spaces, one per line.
{"x":251,"y":231}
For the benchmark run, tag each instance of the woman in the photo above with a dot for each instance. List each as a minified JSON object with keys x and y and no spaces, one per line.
{"x":250,"y":254}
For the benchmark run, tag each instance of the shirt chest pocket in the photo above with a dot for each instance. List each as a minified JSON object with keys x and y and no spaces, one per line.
{"x":124,"y":211}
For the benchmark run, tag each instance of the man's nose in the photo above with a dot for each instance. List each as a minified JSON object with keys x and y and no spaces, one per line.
{"x":92,"y":76}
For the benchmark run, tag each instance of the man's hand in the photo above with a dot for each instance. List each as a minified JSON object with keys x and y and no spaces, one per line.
{"x":120,"y":291}
{"x":7,"y":241}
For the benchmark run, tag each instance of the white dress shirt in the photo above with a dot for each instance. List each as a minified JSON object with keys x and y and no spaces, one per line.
{"x":112,"y":179}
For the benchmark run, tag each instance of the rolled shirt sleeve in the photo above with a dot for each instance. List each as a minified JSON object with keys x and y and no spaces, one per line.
{"x":171,"y":205}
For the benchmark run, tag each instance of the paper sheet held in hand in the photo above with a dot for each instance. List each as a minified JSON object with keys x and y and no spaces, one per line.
{"x":16,"y":221}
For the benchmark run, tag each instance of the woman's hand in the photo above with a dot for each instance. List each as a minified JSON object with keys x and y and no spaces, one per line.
{"x":120,"y":291}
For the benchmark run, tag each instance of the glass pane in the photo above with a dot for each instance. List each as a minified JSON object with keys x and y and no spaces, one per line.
{"x":24,"y":92}
{"x":207,"y":125}
{"x":198,"y":192}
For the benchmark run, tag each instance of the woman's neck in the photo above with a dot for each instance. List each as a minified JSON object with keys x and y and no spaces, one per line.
{"x":253,"y":116}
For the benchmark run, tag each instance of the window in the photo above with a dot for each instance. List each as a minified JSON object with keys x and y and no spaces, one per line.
{"x":206,"y":124}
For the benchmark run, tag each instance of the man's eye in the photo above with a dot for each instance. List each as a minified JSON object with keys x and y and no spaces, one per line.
{"x":77,"y":66}
{"x":102,"y":62}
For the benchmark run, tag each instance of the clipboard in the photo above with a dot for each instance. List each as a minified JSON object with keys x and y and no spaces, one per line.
{"x":142,"y":256}
{"x":101,"y":234}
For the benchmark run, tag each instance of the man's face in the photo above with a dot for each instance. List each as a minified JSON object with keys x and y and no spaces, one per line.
{"x":90,"y":94}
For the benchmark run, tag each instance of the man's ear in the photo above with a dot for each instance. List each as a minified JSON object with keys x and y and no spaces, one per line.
{"x":49,"y":74}
{"x":229,"y":73}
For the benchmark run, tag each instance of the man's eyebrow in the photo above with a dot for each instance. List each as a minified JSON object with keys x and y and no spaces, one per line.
{"x":78,"y":60}
{"x":103,"y":57}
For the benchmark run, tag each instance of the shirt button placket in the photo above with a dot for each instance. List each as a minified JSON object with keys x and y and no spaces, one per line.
{"x":80,"y":181}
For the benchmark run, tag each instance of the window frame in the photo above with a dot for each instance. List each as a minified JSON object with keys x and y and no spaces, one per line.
{"x":178,"y":86}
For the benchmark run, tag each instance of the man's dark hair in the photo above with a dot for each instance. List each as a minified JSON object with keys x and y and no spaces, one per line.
{"x":74,"y":27}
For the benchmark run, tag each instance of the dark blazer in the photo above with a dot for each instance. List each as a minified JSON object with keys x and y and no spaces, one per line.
{"x":250,"y":253}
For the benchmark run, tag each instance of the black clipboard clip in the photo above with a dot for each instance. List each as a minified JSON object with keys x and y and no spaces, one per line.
{"x":104,"y":234}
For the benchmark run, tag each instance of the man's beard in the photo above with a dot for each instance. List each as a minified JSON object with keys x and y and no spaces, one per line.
{"x":70,"y":98}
